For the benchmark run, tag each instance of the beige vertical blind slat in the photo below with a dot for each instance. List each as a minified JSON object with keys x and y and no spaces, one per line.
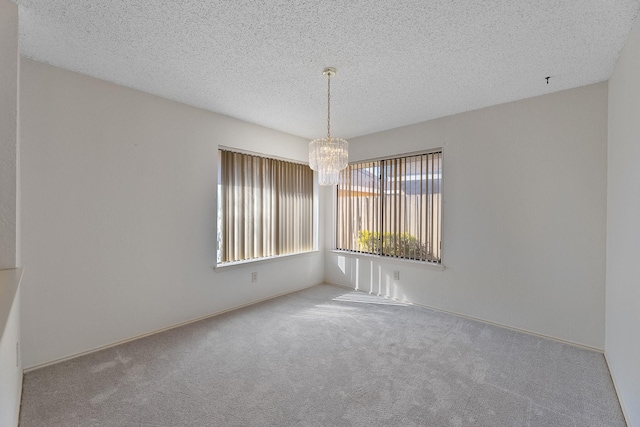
{"x":392,"y":207}
{"x":267,"y":207}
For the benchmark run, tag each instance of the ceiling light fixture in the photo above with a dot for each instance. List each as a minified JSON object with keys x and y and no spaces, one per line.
{"x":328,"y":156}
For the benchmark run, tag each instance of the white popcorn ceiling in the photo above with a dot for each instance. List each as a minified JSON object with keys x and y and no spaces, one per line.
{"x":399,"y":62}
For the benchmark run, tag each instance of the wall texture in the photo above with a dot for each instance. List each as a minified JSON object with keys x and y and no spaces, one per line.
{"x":623,"y":228}
{"x":9,"y":60}
{"x":119,"y":214}
{"x":524,"y":216}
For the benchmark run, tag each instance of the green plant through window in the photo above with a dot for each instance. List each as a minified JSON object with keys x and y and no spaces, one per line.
{"x":402,"y":245}
{"x":392,"y":207}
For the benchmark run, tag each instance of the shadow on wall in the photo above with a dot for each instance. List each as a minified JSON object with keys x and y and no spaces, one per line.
{"x":368,"y":275}
{"x":361,"y":298}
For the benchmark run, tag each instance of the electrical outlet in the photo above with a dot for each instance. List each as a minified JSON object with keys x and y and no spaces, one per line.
{"x":254,"y":277}
{"x":396,"y":274}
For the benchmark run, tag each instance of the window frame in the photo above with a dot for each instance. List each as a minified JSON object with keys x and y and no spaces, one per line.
{"x":436,"y":265}
{"x":220,"y":223}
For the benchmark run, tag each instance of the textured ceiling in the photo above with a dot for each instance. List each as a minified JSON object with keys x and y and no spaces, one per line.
{"x":399,"y":62}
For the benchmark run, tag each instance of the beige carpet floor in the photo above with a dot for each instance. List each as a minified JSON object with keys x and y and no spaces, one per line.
{"x":327,"y":356}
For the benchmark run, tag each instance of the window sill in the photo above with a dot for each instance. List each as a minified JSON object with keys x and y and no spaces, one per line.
{"x":417,"y":264}
{"x":257,"y":261}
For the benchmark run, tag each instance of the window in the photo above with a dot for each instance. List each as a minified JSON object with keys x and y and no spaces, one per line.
{"x":265,"y":207}
{"x":392,"y":207}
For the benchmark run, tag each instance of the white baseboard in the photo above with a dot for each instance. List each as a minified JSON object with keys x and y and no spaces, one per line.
{"x":615,"y":386}
{"x":157,"y":331}
{"x":73,"y":356}
{"x":19,"y":402}
{"x":477,"y":319}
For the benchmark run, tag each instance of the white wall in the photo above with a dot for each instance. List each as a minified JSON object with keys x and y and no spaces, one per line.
{"x":524,"y":216}
{"x":10,"y":365}
{"x":9,"y":60}
{"x":118,"y":214}
{"x":623,"y":228}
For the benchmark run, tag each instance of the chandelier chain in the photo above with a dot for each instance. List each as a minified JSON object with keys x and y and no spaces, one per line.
{"x":328,"y":107}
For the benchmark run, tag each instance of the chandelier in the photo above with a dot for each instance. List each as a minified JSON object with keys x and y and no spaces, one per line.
{"x":328,"y":156}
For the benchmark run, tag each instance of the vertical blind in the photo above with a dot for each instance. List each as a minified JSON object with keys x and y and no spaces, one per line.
{"x":392,"y":207}
{"x":266,"y":207}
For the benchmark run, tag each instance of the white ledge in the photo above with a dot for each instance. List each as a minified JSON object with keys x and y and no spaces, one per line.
{"x":389,"y":260}
{"x":254,"y":261}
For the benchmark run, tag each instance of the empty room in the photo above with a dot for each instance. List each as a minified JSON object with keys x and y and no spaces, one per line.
{"x":304,"y":213}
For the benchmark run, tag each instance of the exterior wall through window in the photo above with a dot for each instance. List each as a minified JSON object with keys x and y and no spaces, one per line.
{"x":392,"y":207}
